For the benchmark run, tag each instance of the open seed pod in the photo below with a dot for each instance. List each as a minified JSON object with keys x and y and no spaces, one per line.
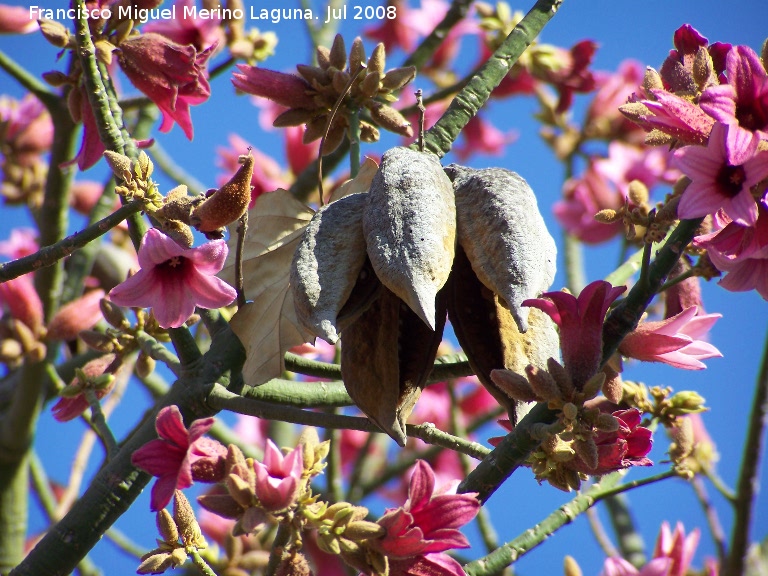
{"x":386,"y":357}
{"x":500,"y":228}
{"x":327,"y":264}
{"x":490,"y":337}
{"x":409,"y":224}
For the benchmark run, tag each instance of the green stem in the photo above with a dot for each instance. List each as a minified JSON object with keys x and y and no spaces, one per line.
{"x":749,"y":474}
{"x":156,"y":350}
{"x":630,"y":541}
{"x":713,"y":521}
{"x":99,"y":423}
{"x":354,"y":142}
{"x":28,"y":81}
{"x":474,"y":95}
{"x":430,"y":44}
{"x":574,"y":264}
{"x":201,"y":564}
{"x":515,"y":549}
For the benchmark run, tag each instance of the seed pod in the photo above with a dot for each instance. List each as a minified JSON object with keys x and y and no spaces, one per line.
{"x":228,"y":203}
{"x":503,"y":234}
{"x":327,"y":263}
{"x":386,"y":357}
{"x":489,"y":336}
{"x":409,"y":224}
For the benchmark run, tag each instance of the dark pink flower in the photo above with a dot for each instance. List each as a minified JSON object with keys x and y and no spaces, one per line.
{"x":673,"y":115}
{"x":70,"y":407}
{"x":287,"y":90}
{"x":743,"y":101}
{"x":202,"y":33}
{"x":179,"y":456}
{"x":674,"y":341}
{"x":626,"y":447}
{"x":722,"y":174}
{"x":173,"y":280}
{"x":677,"y":69}
{"x":426,"y":526}
{"x":581,"y":325}
{"x":278,"y":477}
{"x":171,"y":75}
{"x":572,"y":75}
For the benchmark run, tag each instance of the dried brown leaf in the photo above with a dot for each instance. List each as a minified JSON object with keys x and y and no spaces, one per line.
{"x":504,"y":235}
{"x":360,"y":183}
{"x":267,"y":326}
{"x":410,"y":228}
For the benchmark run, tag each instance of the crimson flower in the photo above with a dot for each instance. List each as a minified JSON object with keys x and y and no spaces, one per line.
{"x":179,"y":456}
{"x":173,"y":280}
{"x":581,"y":325}
{"x":419,"y":532}
{"x":278,"y":477}
{"x":628,"y":446}
{"x":674,"y":341}
{"x":677,"y":70}
{"x":722,"y":174}
{"x":171,"y":75}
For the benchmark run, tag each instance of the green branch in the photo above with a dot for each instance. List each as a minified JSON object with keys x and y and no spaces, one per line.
{"x":28,"y":81}
{"x":475,"y":94}
{"x":746,"y":489}
{"x":512,"y":551}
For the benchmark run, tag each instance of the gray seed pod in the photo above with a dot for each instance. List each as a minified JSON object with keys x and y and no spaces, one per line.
{"x":503,"y":233}
{"x":409,"y":224}
{"x":327,"y":263}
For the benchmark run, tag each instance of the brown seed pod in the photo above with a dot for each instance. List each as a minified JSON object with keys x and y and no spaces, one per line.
{"x":503,"y":234}
{"x":489,"y":336}
{"x":386,"y":357}
{"x":410,"y":228}
{"x":228,"y":203}
{"x":327,"y":263}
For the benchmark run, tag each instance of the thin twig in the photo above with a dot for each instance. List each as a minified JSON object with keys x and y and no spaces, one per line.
{"x":715,"y":528}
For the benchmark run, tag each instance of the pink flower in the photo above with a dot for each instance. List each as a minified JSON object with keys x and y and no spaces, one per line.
{"x":27,"y":128}
{"x":672,"y":115}
{"x":677,"y":547}
{"x":741,"y":251}
{"x":674,"y":341}
{"x":583,"y":197}
{"x":80,"y":314}
{"x":628,"y":446}
{"x":613,"y":91}
{"x":581,"y":325}
{"x":173,"y":280}
{"x":202,"y":33}
{"x":22,"y":242}
{"x":278,"y":477}
{"x":179,"y":456}
{"x":16,"y":20}
{"x":627,"y":162}
{"x":19,"y":297}
{"x":617,"y":566}
{"x":171,"y":75}
{"x":481,"y":137}
{"x":743,"y":101}
{"x":722,"y":175}
{"x":70,"y":407}
{"x":574,"y":75}
{"x":426,"y":526}
{"x":267,"y":174}
{"x":287,"y":90}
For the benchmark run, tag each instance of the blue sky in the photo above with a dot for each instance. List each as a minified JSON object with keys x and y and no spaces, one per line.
{"x":642,"y":31}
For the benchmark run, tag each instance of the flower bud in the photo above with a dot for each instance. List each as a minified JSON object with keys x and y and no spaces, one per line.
{"x":145,"y":365}
{"x":166,"y":526}
{"x":55,"y":32}
{"x":638,"y":193}
{"x":56,"y":78}
{"x":185,"y":519}
{"x":120,"y":164}
{"x":571,"y":567}
{"x":652,"y":81}
{"x":228,"y":203}
{"x":686,"y":402}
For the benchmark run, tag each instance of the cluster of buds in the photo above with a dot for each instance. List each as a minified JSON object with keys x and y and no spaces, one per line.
{"x":122,"y":338}
{"x":638,"y":217}
{"x":661,"y":403}
{"x":589,"y":437}
{"x":312,"y":98}
{"x":135,"y":176}
{"x":179,"y":534}
{"x":343,"y":531}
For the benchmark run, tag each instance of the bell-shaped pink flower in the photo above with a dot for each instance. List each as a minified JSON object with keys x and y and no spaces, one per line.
{"x":674,"y":341}
{"x":677,"y":547}
{"x":171,"y":75}
{"x":581,"y":325}
{"x":179,"y":456}
{"x":19,"y":298}
{"x":16,"y":20}
{"x":173,"y":280}
{"x":617,"y":566}
{"x":426,"y":526}
{"x":288,"y":90}
{"x":278,"y":477}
